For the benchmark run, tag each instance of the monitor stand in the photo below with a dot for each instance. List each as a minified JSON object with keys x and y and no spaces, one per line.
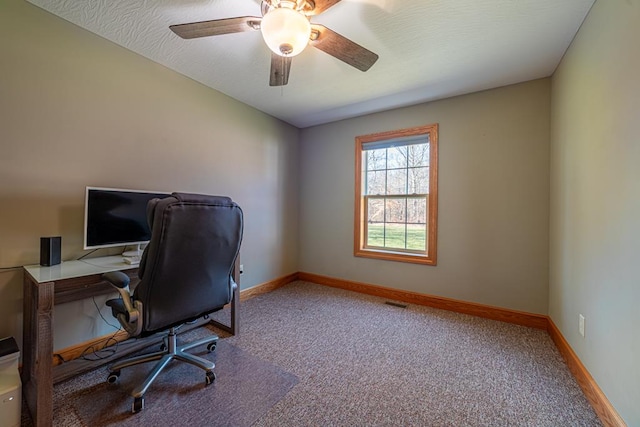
{"x":135,"y":253}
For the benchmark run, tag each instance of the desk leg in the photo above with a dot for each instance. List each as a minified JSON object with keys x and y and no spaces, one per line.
{"x":235,"y":302}
{"x":37,"y":343}
{"x":233,"y":327}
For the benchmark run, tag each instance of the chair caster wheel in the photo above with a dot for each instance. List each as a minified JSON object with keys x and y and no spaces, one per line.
{"x":113,"y":377}
{"x":163,"y":347}
{"x":210,"y":378}
{"x":212,"y":346}
{"x":138,"y":404}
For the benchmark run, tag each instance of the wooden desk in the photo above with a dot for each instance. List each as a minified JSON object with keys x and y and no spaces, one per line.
{"x":71,"y":281}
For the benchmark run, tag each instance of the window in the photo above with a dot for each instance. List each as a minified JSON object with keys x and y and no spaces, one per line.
{"x":397,"y":195}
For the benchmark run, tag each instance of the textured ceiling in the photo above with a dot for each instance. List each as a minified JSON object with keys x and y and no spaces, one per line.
{"x":429,"y":49}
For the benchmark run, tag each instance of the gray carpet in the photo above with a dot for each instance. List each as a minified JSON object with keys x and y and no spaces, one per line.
{"x":358,"y":362}
{"x":361,"y":362}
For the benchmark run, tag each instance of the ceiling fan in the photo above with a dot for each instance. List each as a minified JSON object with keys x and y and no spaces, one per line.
{"x":286,"y":29}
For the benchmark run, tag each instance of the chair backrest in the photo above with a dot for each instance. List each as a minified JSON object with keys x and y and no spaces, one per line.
{"x":185,"y":270}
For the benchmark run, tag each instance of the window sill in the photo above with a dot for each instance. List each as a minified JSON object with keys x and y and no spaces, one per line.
{"x":395,"y":256}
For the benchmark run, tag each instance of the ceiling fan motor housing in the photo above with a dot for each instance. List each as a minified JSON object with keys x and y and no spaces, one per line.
{"x":286,"y":49}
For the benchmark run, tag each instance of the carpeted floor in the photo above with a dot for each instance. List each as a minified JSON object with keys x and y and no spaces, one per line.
{"x":344,"y":359}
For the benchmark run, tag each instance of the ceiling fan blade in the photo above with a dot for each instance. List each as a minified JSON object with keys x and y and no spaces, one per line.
{"x":341,"y":47}
{"x":216,"y":27}
{"x":321,"y":6}
{"x":280,"y":66}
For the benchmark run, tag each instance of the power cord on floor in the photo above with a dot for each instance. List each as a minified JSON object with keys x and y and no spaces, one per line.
{"x":93,"y":353}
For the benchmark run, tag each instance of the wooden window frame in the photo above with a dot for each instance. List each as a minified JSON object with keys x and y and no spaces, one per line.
{"x":360,"y":249}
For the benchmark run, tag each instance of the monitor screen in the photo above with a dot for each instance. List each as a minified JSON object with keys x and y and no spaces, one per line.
{"x":116,"y":217}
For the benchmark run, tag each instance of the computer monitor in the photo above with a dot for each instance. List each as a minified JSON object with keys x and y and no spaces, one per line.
{"x":116,"y":217}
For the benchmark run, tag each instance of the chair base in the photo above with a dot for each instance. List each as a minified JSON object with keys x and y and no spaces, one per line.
{"x":165,"y":356}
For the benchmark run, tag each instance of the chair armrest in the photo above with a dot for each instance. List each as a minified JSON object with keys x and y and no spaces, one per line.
{"x":121,"y":281}
{"x":117,"y":279}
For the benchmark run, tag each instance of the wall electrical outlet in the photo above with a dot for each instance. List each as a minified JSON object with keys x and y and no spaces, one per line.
{"x":581,"y":325}
{"x":241,"y":268}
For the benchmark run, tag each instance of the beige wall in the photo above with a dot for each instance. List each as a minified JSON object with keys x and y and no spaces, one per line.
{"x":77,"y":110}
{"x":595,"y":200}
{"x":493,"y":199}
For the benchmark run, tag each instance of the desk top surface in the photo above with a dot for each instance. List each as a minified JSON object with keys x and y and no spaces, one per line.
{"x":77,"y":268}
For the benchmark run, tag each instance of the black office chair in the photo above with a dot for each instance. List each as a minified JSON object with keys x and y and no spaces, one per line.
{"x":185,"y":273}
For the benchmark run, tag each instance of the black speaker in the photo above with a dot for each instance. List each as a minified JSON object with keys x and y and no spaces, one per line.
{"x":50,"y":250}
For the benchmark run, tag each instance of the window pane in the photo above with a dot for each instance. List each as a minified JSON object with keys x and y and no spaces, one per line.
{"x":417,"y":210}
{"x":375,"y":182}
{"x":375,"y":210}
{"x":419,"y":180}
{"x":417,"y":237}
{"x":376,"y":159}
{"x":418,"y":155}
{"x":396,"y":210}
{"x":394,"y":236}
{"x":397,"y":157}
{"x":397,"y":181}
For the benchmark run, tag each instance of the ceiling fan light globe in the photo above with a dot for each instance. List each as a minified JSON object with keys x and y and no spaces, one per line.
{"x":285,"y":31}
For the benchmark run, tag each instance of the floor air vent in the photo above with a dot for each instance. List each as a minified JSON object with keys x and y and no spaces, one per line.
{"x":396,"y":304}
